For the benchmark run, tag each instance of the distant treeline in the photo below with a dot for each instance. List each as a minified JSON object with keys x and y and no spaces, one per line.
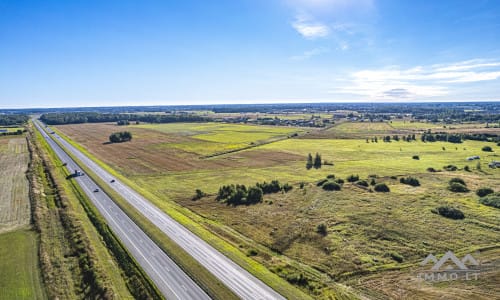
{"x":458,"y":138}
{"x":17,"y":132}
{"x":9,"y":120}
{"x":92,"y":117}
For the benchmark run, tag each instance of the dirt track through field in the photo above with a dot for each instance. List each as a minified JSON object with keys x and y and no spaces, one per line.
{"x":14,"y":198}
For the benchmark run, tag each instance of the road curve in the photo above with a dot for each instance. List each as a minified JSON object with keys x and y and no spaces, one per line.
{"x":240,"y":281}
{"x":172,"y":282}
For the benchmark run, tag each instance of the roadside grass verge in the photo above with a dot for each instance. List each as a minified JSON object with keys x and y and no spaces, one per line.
{"x":74,"y":261}
{"x":189,"y":220}
{"x":19,"y":273}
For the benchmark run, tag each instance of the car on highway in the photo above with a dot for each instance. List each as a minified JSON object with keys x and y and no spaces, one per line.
{"x":96,"y":190}
{"x":112,"y":180}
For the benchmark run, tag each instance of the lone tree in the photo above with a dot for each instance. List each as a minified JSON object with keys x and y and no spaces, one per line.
{"x":309,"y":163}
{"x":317,"y":161}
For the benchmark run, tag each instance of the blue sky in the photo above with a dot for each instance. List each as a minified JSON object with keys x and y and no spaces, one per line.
{"x":148,"y":52}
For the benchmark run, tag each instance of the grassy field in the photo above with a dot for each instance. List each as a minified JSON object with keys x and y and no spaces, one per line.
{"x":19,"y":275}
{"x":366,"y":231}
{"x":14,"y":199}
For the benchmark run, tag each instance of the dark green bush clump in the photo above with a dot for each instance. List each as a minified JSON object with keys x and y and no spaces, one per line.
{"x":198,"y":195}
{"x":331,"y":186}
{"x":331,"y":176}
{"x":457,"y":180}
{"x":416,"y":157}
{"x":491,"y":200}
{"x":353,"y":178}
{"x":484,"y":191}
{"x":362,"y":183}
{"x":322,"y":229}
{"x":450,"y":212}
{"x":487,"y":149}
{"x":321,"y":182}
{"x":431,"y":169}
{"x":450,"y":168}
{"x":410,"y":181}
{"x":458,"y":188}
{"x":339,"y":181}
{"x":120,"y":137}
{"x":381,"y":187}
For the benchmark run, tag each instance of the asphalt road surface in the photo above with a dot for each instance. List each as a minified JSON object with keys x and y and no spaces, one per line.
{"x":240,"y":281}
{"x":167,"y":276}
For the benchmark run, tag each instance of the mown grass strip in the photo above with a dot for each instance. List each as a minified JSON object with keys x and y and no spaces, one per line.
{"x":186,"y":218}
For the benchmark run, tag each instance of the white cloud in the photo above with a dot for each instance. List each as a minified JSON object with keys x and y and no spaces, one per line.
{"x":310,"y":53}
{"x":310,"y":30}
{"x":430,"y":81}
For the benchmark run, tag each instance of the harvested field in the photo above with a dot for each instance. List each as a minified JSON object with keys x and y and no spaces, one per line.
{"x":174,"y":147}
{"x":14,"y":198}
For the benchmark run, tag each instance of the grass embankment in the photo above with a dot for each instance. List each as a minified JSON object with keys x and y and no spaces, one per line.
{"x":19,"y":273}
{"x":74,"y":262}
{"x":189,"y":220}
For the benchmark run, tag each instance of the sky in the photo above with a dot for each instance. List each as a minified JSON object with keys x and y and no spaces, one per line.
{"x":67,"y":53}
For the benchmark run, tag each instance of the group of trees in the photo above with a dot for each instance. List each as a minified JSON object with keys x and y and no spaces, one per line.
{"x":17,"y":132}
{"x":94,"y":117}
{"x":441,"y":137}
{"x":316,"y":162}
{"x":239,"y":194}
{"x":15,"y":119}
{"x":119,"y":137}
{"x":388,"y":138}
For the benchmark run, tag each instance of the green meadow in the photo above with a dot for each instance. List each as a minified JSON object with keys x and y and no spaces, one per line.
{"x":372,"y":238}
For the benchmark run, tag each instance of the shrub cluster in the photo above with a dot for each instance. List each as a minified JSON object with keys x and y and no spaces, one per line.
{"x":450,"y":168}
{"x":119,"y":137}
{"x":331,"y":186}
{"x":450,"y":212}
{"x":362,"y":183}
{"x":491,"y":200}
{"x":487,"y":149}
{"x":484,"y":191}
{"x":410,"y":181}
{"x":381,"y":187}
{"x":353,"y":178}
{"x":240,"y":194}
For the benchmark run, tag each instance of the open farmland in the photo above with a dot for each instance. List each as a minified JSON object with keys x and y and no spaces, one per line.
{"x":14,"y":200}
{"x":370,"y":236}
{"x":19,"y":275}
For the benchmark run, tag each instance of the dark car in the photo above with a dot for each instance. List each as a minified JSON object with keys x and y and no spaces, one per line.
{"x":96,"y":190}
{"x":112,"y":180}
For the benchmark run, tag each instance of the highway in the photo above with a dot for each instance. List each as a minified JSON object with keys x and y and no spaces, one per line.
{"x":172,"y":282}
{"x":240,"y":281}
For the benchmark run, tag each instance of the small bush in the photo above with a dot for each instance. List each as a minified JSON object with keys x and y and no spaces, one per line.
{"x":467,"y":168}
{"x":491,"y":200}
{"x":362,"y":183}
{"x":457,"y":180}
{"x":394,"y":177}
{"x":484,"y":191}
{"x":252,"y":252}
{"x":287,"y":187}
{"x":321,"y":182}
{"x":458,"y":188}
{"x":396,"y":256}
{"x":331,"y":186}
{"x":487,"y":149}
{"x":198,"y":195}
{"x":339,"y":181}
{"x":373,"y":182}
{"x":416,"y":157}
{"x":381,"y":187}
{"x":322,"y":229}
{"x":353,"y":178}
{"x":431,"y":169}
{"x":301,"y":185}
{"x":450,"y":212}
{"x":410,"y":181}
{"x":331,"y":176}
{"x":450,"y":168}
